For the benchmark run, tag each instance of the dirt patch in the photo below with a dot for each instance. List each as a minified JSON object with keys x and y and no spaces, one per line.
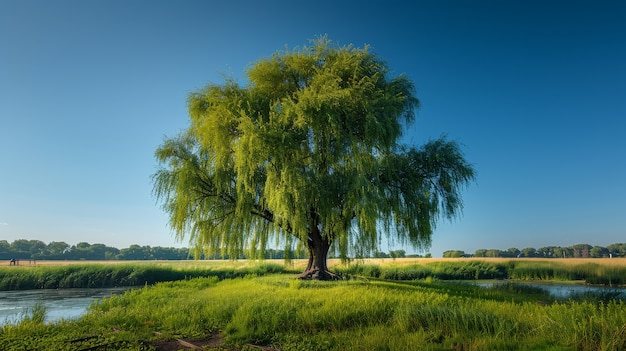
{"x":213,"y":342}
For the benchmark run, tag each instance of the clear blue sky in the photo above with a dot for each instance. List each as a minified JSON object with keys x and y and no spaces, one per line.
{"x":534,"y":89}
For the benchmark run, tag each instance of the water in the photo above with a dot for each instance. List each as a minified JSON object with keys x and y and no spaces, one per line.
{"x":73,"y":303}
{"x":559,"y":290}
{"x":59,"y":303}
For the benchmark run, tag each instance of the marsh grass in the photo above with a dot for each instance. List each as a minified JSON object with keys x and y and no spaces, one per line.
{"x":384,"y":306}
{"x":359,"y":314}
{"x":52,"y":275}
{"x":35,"y":314}
{"x":608,"y":272}
{"x":590,"y":272}
{"x":86,"y":275}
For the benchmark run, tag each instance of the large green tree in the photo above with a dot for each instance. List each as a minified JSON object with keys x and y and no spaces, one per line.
{"x":308,"y":152}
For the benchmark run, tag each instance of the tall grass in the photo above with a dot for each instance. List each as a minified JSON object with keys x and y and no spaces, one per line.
{"x":96,"y":275}
{"x":108,"y":275}
{"x":35,"y":314}
{"x":591,"y":273}
{"x":278,"y":311}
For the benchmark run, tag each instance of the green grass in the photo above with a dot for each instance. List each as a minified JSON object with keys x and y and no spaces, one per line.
{"x":548,"y":270}
{"x":359,"y":314}
{"x":100,"y":275}
{"x":94,"y":275}
{"x":591,"y":273}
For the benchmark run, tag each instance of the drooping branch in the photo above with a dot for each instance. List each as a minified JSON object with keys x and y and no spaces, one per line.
{"x":308,"y":150}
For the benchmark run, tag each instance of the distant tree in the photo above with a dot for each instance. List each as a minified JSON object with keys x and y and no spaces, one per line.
{"x":511,"y":252}
{"x":136,"y":252}
{"x":26,"y":249}
{"x":5,"y":250}
{"x":529,"y":252}
{"x":36,"y":247}
{"x":308,"y":152}
{"x":169,"y":253}
{"x":599,"y":251}
{"x":110,"y":253}
{"x":581,"y":250}
{"x":81,"y":251}
{"x":562,"y":252}
{"x":559,"y":252}
{"x":83,"y":245}
{"x":274,"y":254}
{"x":55,"y":250}
{"x":480,"y":253}
{"x":453,"y":254}
{"x":397,"y":253}
{"x":20,"y":248}
{"x":547,"y":251}
{"x":98,"y":252}
{"x":617,"y":250}
{"x":493,"y":253}
{"x":380,"y":254}
{"x":427,"y":255}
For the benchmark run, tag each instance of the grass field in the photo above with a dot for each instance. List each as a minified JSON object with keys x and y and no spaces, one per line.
{"x":278,"y":312}
{"x":89,"y":274}
{"x":336,"y":263}
{"x":301,"y":263}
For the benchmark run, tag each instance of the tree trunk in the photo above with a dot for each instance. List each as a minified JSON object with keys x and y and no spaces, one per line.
{"x":316,"y":268}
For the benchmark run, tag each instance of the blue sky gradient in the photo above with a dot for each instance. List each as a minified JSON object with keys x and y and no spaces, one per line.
{"x":535,"y":91}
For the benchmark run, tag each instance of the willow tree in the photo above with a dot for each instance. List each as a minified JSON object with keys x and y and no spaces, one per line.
{"x":308,"y":152}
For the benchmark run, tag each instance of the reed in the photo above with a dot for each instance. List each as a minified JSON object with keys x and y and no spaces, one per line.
{"x":552,"y":269}
{"x":99,"y":275}
{"x":86,"y":275}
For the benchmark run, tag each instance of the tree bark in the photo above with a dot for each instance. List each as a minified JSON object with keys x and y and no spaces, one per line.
{"x":318,"y":247}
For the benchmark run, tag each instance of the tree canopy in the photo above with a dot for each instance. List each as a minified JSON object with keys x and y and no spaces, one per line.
{"x":308,"y":153}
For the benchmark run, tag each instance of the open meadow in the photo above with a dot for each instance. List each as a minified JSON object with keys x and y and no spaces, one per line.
{"x":88,"y":274}
{"x":402,"y":304}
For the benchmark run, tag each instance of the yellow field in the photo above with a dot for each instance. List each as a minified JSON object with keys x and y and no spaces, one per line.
{"x":301,"y":263}
{"x":566,"y":261}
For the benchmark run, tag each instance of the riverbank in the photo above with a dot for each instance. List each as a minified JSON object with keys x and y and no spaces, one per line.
{"x":103,"y":274}
{"x":278,"y":312}
{"x":68,"y":275}
{"x":58,"y":303}
{"x":606,"y":272}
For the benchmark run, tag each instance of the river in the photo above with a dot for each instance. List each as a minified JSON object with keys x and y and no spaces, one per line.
{"x":59,"y":303}
{"x":72,"y":303}
{"x":559,"y":290}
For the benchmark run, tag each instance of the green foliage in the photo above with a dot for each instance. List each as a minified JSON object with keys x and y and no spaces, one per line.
{"x":470,"y":270}
{"x":548,"y":270}
{"x":34,"y":315}
{"x":453,"y":254}
{"x":308,"y":151}
{"x":113,"y":275}
{"x":347,"y":315}
{"x":33,"y":250}
{"x":591,"y":273}
{"x":574,"y":251}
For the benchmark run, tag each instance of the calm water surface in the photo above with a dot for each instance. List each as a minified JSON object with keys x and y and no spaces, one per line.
{"x":72,"y":303}
{"x":558,"y":290}
{"x":59,"y":303}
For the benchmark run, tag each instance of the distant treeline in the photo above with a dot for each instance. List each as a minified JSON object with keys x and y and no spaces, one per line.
{"x":58,"y":250}
{"x":574,"y":251}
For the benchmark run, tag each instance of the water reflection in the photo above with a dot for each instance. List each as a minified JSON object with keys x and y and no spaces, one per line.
{"x":559,"y":290}
{"x":59,"y":303}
